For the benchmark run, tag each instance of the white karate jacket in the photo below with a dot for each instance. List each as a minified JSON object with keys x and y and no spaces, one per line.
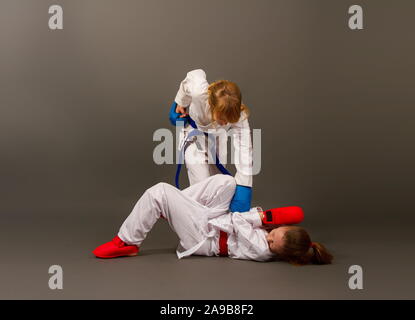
{"x":193,"y":94}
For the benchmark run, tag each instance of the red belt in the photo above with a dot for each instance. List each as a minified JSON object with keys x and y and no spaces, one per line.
{"x":223,"y":244}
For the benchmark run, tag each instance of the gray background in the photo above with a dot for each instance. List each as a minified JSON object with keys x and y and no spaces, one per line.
{"x":79,"y":107}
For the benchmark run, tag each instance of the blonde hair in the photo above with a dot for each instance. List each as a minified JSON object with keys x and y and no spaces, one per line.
{"x":297,"y":245}
{"x":225,"y":99}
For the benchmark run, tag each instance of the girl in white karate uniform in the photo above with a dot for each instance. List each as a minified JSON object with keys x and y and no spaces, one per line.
{"x":216,"y":109}
{"x":200,"y":217}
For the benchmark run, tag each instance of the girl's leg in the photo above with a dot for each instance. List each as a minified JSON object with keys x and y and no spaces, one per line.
{"x":197,"y":162}
{"x":186,"y":216}
{"x":215,"y":192}
{"x":198,"y":168}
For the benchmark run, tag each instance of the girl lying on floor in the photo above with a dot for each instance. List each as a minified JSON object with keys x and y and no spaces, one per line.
{"x":200,"y":217}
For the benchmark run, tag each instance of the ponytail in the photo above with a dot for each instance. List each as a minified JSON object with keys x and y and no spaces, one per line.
{"x":299,"y":250}
{"x":320,"y":254}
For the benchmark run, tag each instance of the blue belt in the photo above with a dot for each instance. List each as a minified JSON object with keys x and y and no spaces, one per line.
{"x":193,"y":133}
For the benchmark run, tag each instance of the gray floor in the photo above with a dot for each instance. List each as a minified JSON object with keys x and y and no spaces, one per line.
{"x":29,"y":247}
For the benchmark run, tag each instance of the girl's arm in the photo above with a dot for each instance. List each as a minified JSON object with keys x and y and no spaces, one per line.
{"x":192,"y":87}
{"x":241,"y":136}
{"x":251,"y":238}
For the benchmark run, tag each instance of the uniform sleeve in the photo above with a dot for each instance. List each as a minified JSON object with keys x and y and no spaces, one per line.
{"x":251,"y":218}
{"x":252,"y":243}
{"x":243,"y":152}
{"x":192,"y":87}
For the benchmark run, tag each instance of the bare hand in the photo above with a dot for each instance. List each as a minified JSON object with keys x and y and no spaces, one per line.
{"x":182,"y":110}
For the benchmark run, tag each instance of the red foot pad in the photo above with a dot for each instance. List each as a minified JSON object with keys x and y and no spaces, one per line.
{"x":287,"y":215}
{"x":115,"y":248}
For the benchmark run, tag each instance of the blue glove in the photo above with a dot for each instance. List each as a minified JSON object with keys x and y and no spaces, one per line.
{"x":174,"y":116}
{"x":241,"y":201}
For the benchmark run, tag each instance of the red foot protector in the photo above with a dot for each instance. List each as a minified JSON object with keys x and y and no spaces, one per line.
{"x":115,"y":248}
{"x":286,"y":215}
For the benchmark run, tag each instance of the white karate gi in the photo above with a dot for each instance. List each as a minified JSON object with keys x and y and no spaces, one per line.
{"x":197,"y":215}
{"x":193,"y":94}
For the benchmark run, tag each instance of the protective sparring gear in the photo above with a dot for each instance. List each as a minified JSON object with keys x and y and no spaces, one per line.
{"x":286,"y":215}
{"x":115,"y":248}
{"x":175,"y":116}
{"x":241,"y":201}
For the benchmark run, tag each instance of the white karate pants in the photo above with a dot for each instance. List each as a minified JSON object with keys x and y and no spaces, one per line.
{"x":198,"y":168}
{"x":186,"y":211}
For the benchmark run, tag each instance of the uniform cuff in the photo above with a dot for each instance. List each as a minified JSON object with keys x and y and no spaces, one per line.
{"x":243,"y":180}
{"x":253,"y":216}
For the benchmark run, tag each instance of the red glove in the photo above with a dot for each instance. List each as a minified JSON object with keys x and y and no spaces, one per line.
{"x":287,"y":215}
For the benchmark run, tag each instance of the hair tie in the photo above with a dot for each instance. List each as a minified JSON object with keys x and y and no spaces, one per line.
{"x":312,"y":245}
